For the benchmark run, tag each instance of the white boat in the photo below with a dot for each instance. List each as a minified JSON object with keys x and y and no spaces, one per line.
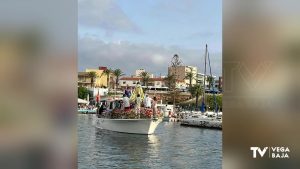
{"x":206,"y":122}
{"x":206,"y":119}
{"x":124,"y":125}
{"x":133,"y":126}
{"x":87,"y":111}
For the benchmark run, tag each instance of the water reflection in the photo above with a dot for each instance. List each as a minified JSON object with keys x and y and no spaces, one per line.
{"x":126,"y":148}
{"x":172,"y":146}
{"x":153,"y":146}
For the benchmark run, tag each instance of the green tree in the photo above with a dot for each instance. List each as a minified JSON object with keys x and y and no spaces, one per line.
{"x":117,"y":73}
{"x":190,"y":76}
{"x":82,"y":92}
{"x":107,"y":73}
{"x":145,"y":78}
{"x":170,"y":81}
{"x":211,"y":101}
{"x":93,"y":75}
{"x":175,"y":63}
{"x":210,"y":80}
{"x":197,"y":91}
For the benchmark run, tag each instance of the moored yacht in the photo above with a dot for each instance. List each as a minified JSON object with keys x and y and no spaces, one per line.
{"x":205,"y":119}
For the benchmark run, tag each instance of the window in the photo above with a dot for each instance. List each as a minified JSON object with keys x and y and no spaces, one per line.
{"x":124,"y":82}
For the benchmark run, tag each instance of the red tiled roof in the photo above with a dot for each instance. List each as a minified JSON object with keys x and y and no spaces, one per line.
{"x":157,"y":79}
{"x":102,"y":68}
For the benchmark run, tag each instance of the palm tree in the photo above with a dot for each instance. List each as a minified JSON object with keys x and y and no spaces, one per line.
{"x":196,"y":91}
{"x":145,"y":78}
{"x":170,"y":81}
{"x":190,"y":76}
{"x":92,"y":75}
{"x":118,"y":73}
{"x":107,"y":73}
{"x":210,"y":80}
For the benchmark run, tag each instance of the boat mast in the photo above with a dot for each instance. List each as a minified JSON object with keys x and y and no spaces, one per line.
{"x":212,"y":85}
{"x":203,"y":97}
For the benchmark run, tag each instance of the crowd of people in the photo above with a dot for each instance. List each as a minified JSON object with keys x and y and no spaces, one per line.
{"x":139,"y":100}
{"x":86,"y":107}
{"x":133,"y":100}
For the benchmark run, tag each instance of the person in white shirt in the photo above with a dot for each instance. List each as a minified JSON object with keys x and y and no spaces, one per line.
{"x":126,"y":102}
{"x":154,"y":107}
{"x":138,"y":105}
{"x":147,"y":102}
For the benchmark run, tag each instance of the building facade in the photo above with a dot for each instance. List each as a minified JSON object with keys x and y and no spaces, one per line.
{"x":180,"y":73}
{"x":219,"y":83}
{"x":132,"y":82}
{"x":139,"y":71}
{"x":216,"y":83}
{"x":101,"y":79}
{"x":85,"y":80}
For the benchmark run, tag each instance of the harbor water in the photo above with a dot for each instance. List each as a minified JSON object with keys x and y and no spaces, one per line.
{"x":172,"y":146}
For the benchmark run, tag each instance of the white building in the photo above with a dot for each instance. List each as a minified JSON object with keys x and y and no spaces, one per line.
{"x":102,"y":91}
{"x":132,"y":81}
{"x":200,"y":80}
{"x":139,"y":71}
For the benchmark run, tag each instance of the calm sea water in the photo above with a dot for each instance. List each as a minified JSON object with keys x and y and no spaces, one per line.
{"x":172,"y":146}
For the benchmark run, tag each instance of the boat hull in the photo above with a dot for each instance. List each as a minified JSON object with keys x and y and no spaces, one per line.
{"x":133,"y":126}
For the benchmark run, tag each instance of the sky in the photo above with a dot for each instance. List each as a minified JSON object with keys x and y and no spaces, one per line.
{"x":134,"y":34}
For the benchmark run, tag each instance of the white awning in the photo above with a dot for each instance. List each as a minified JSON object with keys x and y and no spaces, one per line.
{"x":82,"y":101}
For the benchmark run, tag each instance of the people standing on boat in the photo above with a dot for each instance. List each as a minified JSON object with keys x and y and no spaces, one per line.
{"x":138,"y":103}
{"x":154,"y":106}
{"x":126,"y":102}
{"x":101,"y":109}
{"x":127,"y":92}
{"x":147,"y":101}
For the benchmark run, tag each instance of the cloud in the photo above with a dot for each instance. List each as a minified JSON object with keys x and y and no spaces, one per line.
{"x":198,"y":35}
{"x":159,"y":59}
{"x":105,"y":15}
{"x":129,"y":56}
{"x":177,"y":6}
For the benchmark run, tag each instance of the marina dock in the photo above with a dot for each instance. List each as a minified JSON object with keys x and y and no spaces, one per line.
{"x":203,"y":123}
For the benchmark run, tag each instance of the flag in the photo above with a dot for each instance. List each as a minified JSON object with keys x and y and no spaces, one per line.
{"x":98,"y":97}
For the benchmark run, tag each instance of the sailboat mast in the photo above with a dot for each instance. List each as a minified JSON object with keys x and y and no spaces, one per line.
{"x":206,"y":51}
{"x":212,"y":86}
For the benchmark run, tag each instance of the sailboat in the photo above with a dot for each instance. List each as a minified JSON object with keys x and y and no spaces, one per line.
{"x":206,"y":119}
{"x":203,"y":107}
